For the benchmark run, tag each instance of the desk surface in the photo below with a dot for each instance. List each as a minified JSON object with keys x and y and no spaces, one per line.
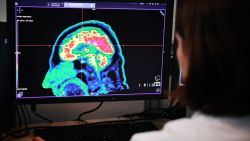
{"x":158,"y":122}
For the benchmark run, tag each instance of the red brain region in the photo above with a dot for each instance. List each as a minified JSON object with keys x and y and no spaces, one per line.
{"x":87,"y":35}
{"x":101,"y":42}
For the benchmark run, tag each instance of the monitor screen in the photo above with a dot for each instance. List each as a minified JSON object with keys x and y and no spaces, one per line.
{"x":69,"y":51}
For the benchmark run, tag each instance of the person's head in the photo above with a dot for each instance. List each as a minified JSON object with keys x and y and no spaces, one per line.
{"x":214,"y":55}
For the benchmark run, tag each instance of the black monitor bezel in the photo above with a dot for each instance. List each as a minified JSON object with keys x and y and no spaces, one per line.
{"x":166,"y":67}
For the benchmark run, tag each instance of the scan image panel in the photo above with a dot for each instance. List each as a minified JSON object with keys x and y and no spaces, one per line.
{"x":86,"y":60}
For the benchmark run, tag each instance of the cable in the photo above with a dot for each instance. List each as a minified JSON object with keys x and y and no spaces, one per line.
{"x":4,"y":131}
{"x":79,"y":117}
{"x":33,"y":109}
{"x":171,"y":102}
{"x":8,"y":133}
{"x":12,"y":133}
{"x":27,"y":112}
{"x":26,"y":128}
{"x":40,"y":116}
{"x":25,"y":121}
{"x":24,"y":116}
{"x":18,"y":116}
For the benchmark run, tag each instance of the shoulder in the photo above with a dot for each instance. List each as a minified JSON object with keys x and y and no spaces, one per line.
{"x":172,"y":130}
{"x":200,"y":127}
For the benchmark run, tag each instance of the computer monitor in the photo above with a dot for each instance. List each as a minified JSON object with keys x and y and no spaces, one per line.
{"x":74,"y":51}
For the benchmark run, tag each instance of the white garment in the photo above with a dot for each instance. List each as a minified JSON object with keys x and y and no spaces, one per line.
{"x":200,"y":127}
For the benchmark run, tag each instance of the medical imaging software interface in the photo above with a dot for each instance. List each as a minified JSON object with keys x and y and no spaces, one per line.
{"x":75,"y":49}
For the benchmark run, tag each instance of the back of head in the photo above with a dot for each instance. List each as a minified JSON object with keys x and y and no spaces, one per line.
{"x":216,"y":41}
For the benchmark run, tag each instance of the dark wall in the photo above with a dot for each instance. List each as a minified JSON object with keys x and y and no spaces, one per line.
{"x":6,"y":103}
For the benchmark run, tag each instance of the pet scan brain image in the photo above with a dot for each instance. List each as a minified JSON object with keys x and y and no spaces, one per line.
{"x":86,"y":60}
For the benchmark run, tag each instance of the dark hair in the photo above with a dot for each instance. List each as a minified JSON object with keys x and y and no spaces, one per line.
{"x":217,"y":44}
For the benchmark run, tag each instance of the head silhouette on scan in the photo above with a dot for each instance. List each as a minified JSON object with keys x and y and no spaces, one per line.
{"x":86,"y":60}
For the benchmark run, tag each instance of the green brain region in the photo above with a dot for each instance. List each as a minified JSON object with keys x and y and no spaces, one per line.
{"x":86,"y":60}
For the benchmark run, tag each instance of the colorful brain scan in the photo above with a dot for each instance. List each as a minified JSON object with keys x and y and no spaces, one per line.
{"x":86,"y":60}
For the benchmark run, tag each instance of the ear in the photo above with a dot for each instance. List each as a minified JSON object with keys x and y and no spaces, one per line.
{"x":179,"y":39}
{"x":181,"y":55}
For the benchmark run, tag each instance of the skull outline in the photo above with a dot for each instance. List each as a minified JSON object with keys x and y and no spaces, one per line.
{"x":62,"y":74}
